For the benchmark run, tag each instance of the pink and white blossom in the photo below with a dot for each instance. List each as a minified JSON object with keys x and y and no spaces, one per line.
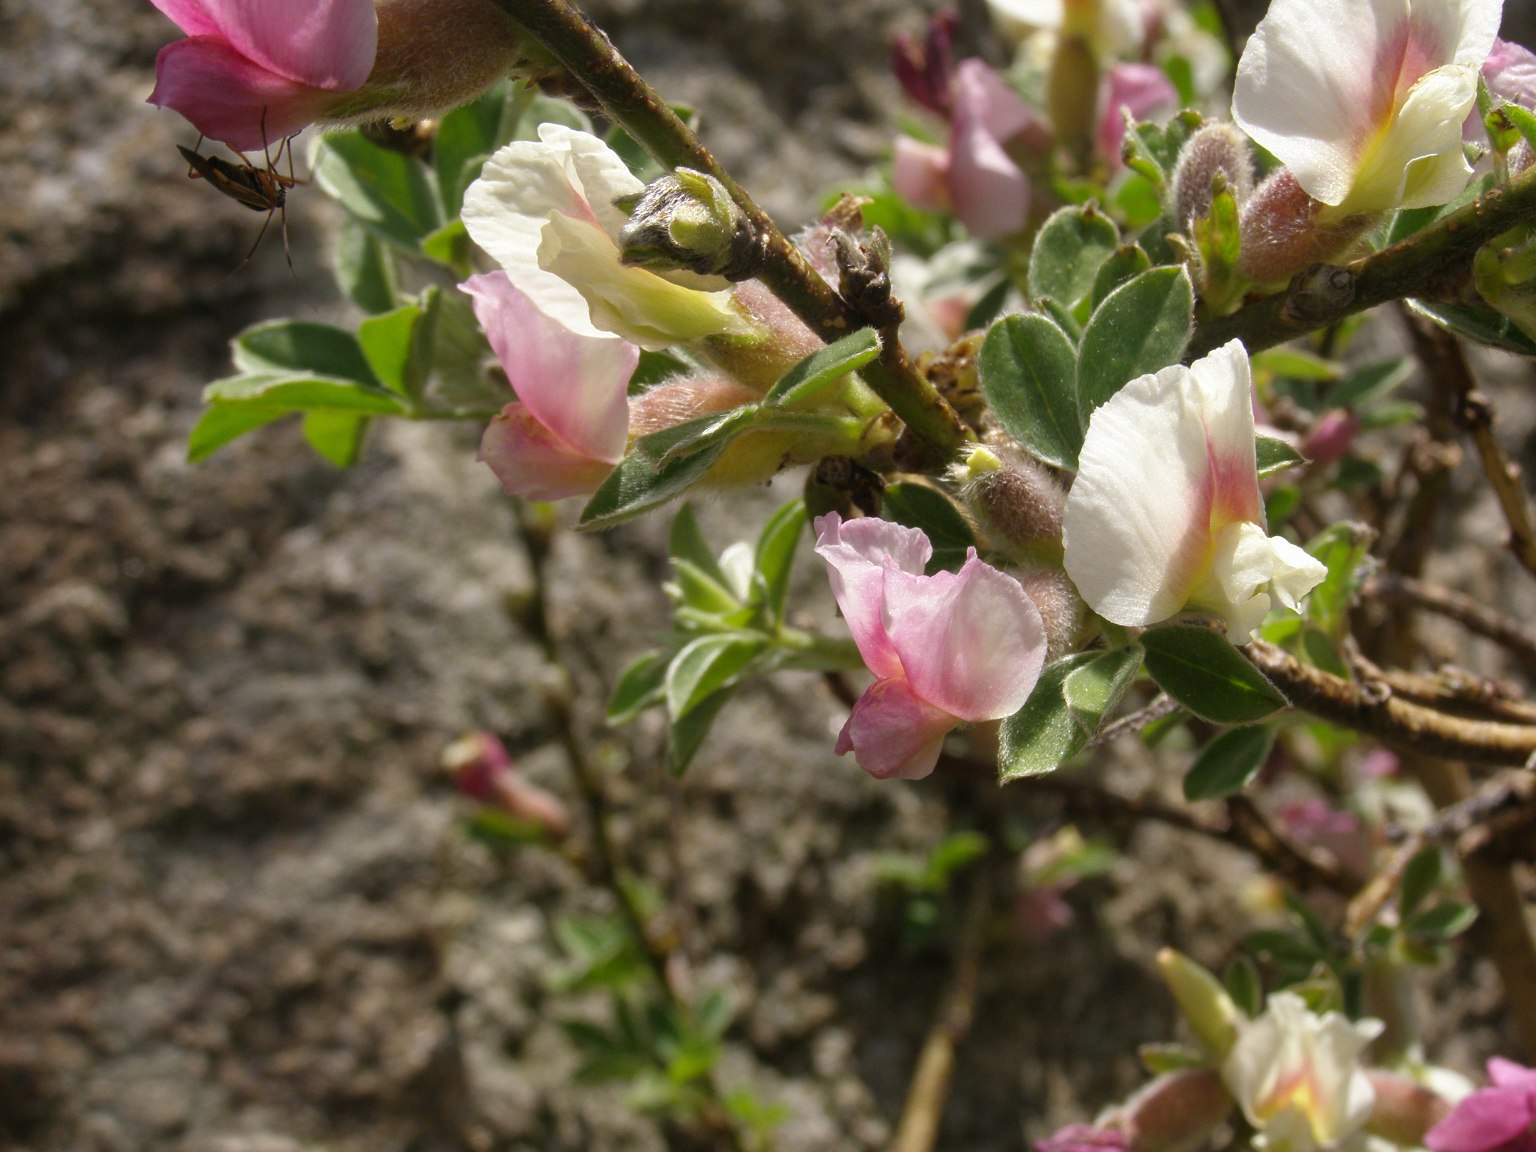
{"x":252,"y":74}
{"x":1297,"y":1076}
{"x":545,"y":211}
{"x":570,"y":422}
{"x":1363,"y":100}
{"x":951,"y":648}
{"x":1166,"y":514}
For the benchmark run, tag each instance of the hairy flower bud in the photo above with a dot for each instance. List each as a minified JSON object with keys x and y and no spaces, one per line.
{"x":1283,"y":231}
{"x":1016,"y":500}
{"x":1176,"y":1112}
{"x":1216,"y":149}
{"x":688,"y":220}
{"x":1404,"y":1109}
{"x":1059,"y":605}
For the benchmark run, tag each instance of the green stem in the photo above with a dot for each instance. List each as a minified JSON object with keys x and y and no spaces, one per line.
{"x":636,"y":107}
{"x":1421,"y":265}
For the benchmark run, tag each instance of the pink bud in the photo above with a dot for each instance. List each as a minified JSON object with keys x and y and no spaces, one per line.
{"x":1404,"y":1110}
{"x":926,"y":72}
{"x":1330,"y":438}
{"x":1176,"y":1112}
{"x":1139,"y":89}
{"x":1215,"y":148}
{"x":482,"y":770}
{"x":1282,"y":233}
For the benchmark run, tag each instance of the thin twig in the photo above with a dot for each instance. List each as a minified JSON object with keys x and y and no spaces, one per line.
{"x":1163,"y":705}
{"x":1473,"y":615}
{"x":1454,"y":691}
{"x":929,"y":1090}
{"x":636,"y":107}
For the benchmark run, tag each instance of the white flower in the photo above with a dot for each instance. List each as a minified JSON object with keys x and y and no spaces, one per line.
{"x":1363,"y":100}
{"x":1297,"y":1076}
{"x":1166,"y":513}
{"x":545,"y":211}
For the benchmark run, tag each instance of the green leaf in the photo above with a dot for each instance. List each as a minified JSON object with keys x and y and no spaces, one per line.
{"x":655,"y":471}
{"x":1420,"y":878}
{"x":1448,"y":919}
{"x":450,"y":247}
{"x":823,"y":368}
{"x":453,"y":353}
{"x":1127,"y":262}
{"x":1069,"y":249}
{"x":465,"y":137}
{"x":775,"y":557}
{"x":686,"y":736}
{"x":698,"y":591}
{"x":1028,"y":372}
{"x":1342,"y":549}
{"x":1295,"y":364}
{"x":1275,"y":455}
{"x":337,"y":436}
{"x":1218,"y":240}
{"x":685,"y":541}
{"x":705,"y":666}
{"x":301,"y":346}
{"x":1208,"y":676}
{"x":1371,"y":383}
{"x":387,"y":192}
{"x":1476,"y":323}
{"x":364,"y":268}
{"x":918,"y":506}
{"x":1095,"y":690}
{"x":388,"y":341}
{"x":1043,"y":735}
{"x":222,"y":423}
{"x":297,"y":392}
{"x":640,"y":687}
{"x":1244,"y":986}
{"x":1228,"y":763}
{"x":1141,"y":327}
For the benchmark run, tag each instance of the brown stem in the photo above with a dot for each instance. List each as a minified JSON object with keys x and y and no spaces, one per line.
{"x":636,"y":107}
{"x":1372,"y":708}
{"x":926,"y":1096}
{"x":1417,"y":266}
{"x":1473,"y":615}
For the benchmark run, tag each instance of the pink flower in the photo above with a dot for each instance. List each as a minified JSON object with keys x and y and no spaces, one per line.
{"x":1499,"y":1118}
{"x":570,"y":422}
{"x":1140,"y":89}
{"x":946,"y":649}
{"x":482,"y":769}
{"x":1084,"y":1138}
{"x":254,"y":72}
{"x":975,"y":177}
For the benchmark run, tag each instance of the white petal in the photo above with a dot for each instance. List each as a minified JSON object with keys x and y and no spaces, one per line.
{"x":597,"y":172}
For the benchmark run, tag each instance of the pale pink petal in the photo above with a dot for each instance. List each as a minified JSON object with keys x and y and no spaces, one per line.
{"x":920,"y":174}
{"x":228,"y":98}
{"x":597,"y":172}
{"x":990,"y":192}
{"x":191,"y":16}
{"x":1504,"y":1073}
{"x":1511,"y":73}
{"x":1223,"y":399}
{"x":971,"y":642}
{"x":327,"y":44}
{"x":983,"y":98}
{"x":574,"y":385}
{"x":1140,"y":89}
{"x":892,"y":733}
{"x":1480,"y":1123}
{"x":529,"y":461}
{"x":859,"y":555}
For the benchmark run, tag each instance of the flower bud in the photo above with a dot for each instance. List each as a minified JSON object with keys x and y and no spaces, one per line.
{"x":482,"y":770}
{"x":688,"y":220}
{"x":1283,"y":232}
{"x":1329,"y":439}
{"x":1210,"y":1011}
{"x":1404,"y":1108}
{"x":1176,"y":1112}
{"x":926,"y":71}
{"x":1072,"y":94}
{"x":1060,"y":607}
{"x":1016,"y":501}
{"x":1216,"y":149}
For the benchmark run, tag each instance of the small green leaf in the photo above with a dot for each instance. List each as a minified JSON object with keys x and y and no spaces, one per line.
{"x":640,"y":687}
{"x":1028,"y":371}
{"x":918,"y":506}
{"x":296,"y":392}
{"x":686,"y":736}
{"x":823,"y":368}
{"x":450,"y":247}
{"x":1275,"y":455}
{"x":1343,"y":549}
{"x":700,"y":592}
{"x":1295,"y":364}
{"x":1205,"y":674}
{"x":705,"y":666}
{"x":1068,"y":251}
{"x":388,"y":341}
{"x":387,"y":192}
{"x":1095,"y":690}
{"x":1127,"y":262}
{"x":1160,"y":1058}
{"x":465,"y":137}
{"x":1244,"y":986}
{"x":337,"y":436}
{"x":1229,"y":763}
{"x":222,"y":423}
{"x":301,"y":346}
{"x":1043,"y":735}
{"x":1448,"y":919}
{"x":685,"y":541}
{"x":1476,"y":323}
{"x":656,"y":471}
{"x":775,"y":557}
{"x":1420,"y":878}
{"x":1141,"y":327}
{"x":1371,"y":383}
{"x":364,"y":268}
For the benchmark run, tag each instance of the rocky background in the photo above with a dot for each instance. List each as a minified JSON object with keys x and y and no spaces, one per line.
{"x":239,"y":911}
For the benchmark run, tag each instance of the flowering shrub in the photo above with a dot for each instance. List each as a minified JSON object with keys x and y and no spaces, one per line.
{"x":1142,"y":489}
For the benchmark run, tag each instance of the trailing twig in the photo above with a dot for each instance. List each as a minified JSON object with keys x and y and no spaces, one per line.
{"x":636,"y":107}
{"x":1450,"y":690}
{"x":1473,"y":615}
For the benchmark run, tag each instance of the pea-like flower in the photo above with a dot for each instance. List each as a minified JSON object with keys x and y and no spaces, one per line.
{"x":1297,"y":1075}
{"x":546,"y":210}
{"x":1166,"y":513}
{"x":951,"y":648}
{"x":569,"y":424}
{"x":1499,"y":1118}
{"x":252,"y":74}
{"x":1363,"y":100}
